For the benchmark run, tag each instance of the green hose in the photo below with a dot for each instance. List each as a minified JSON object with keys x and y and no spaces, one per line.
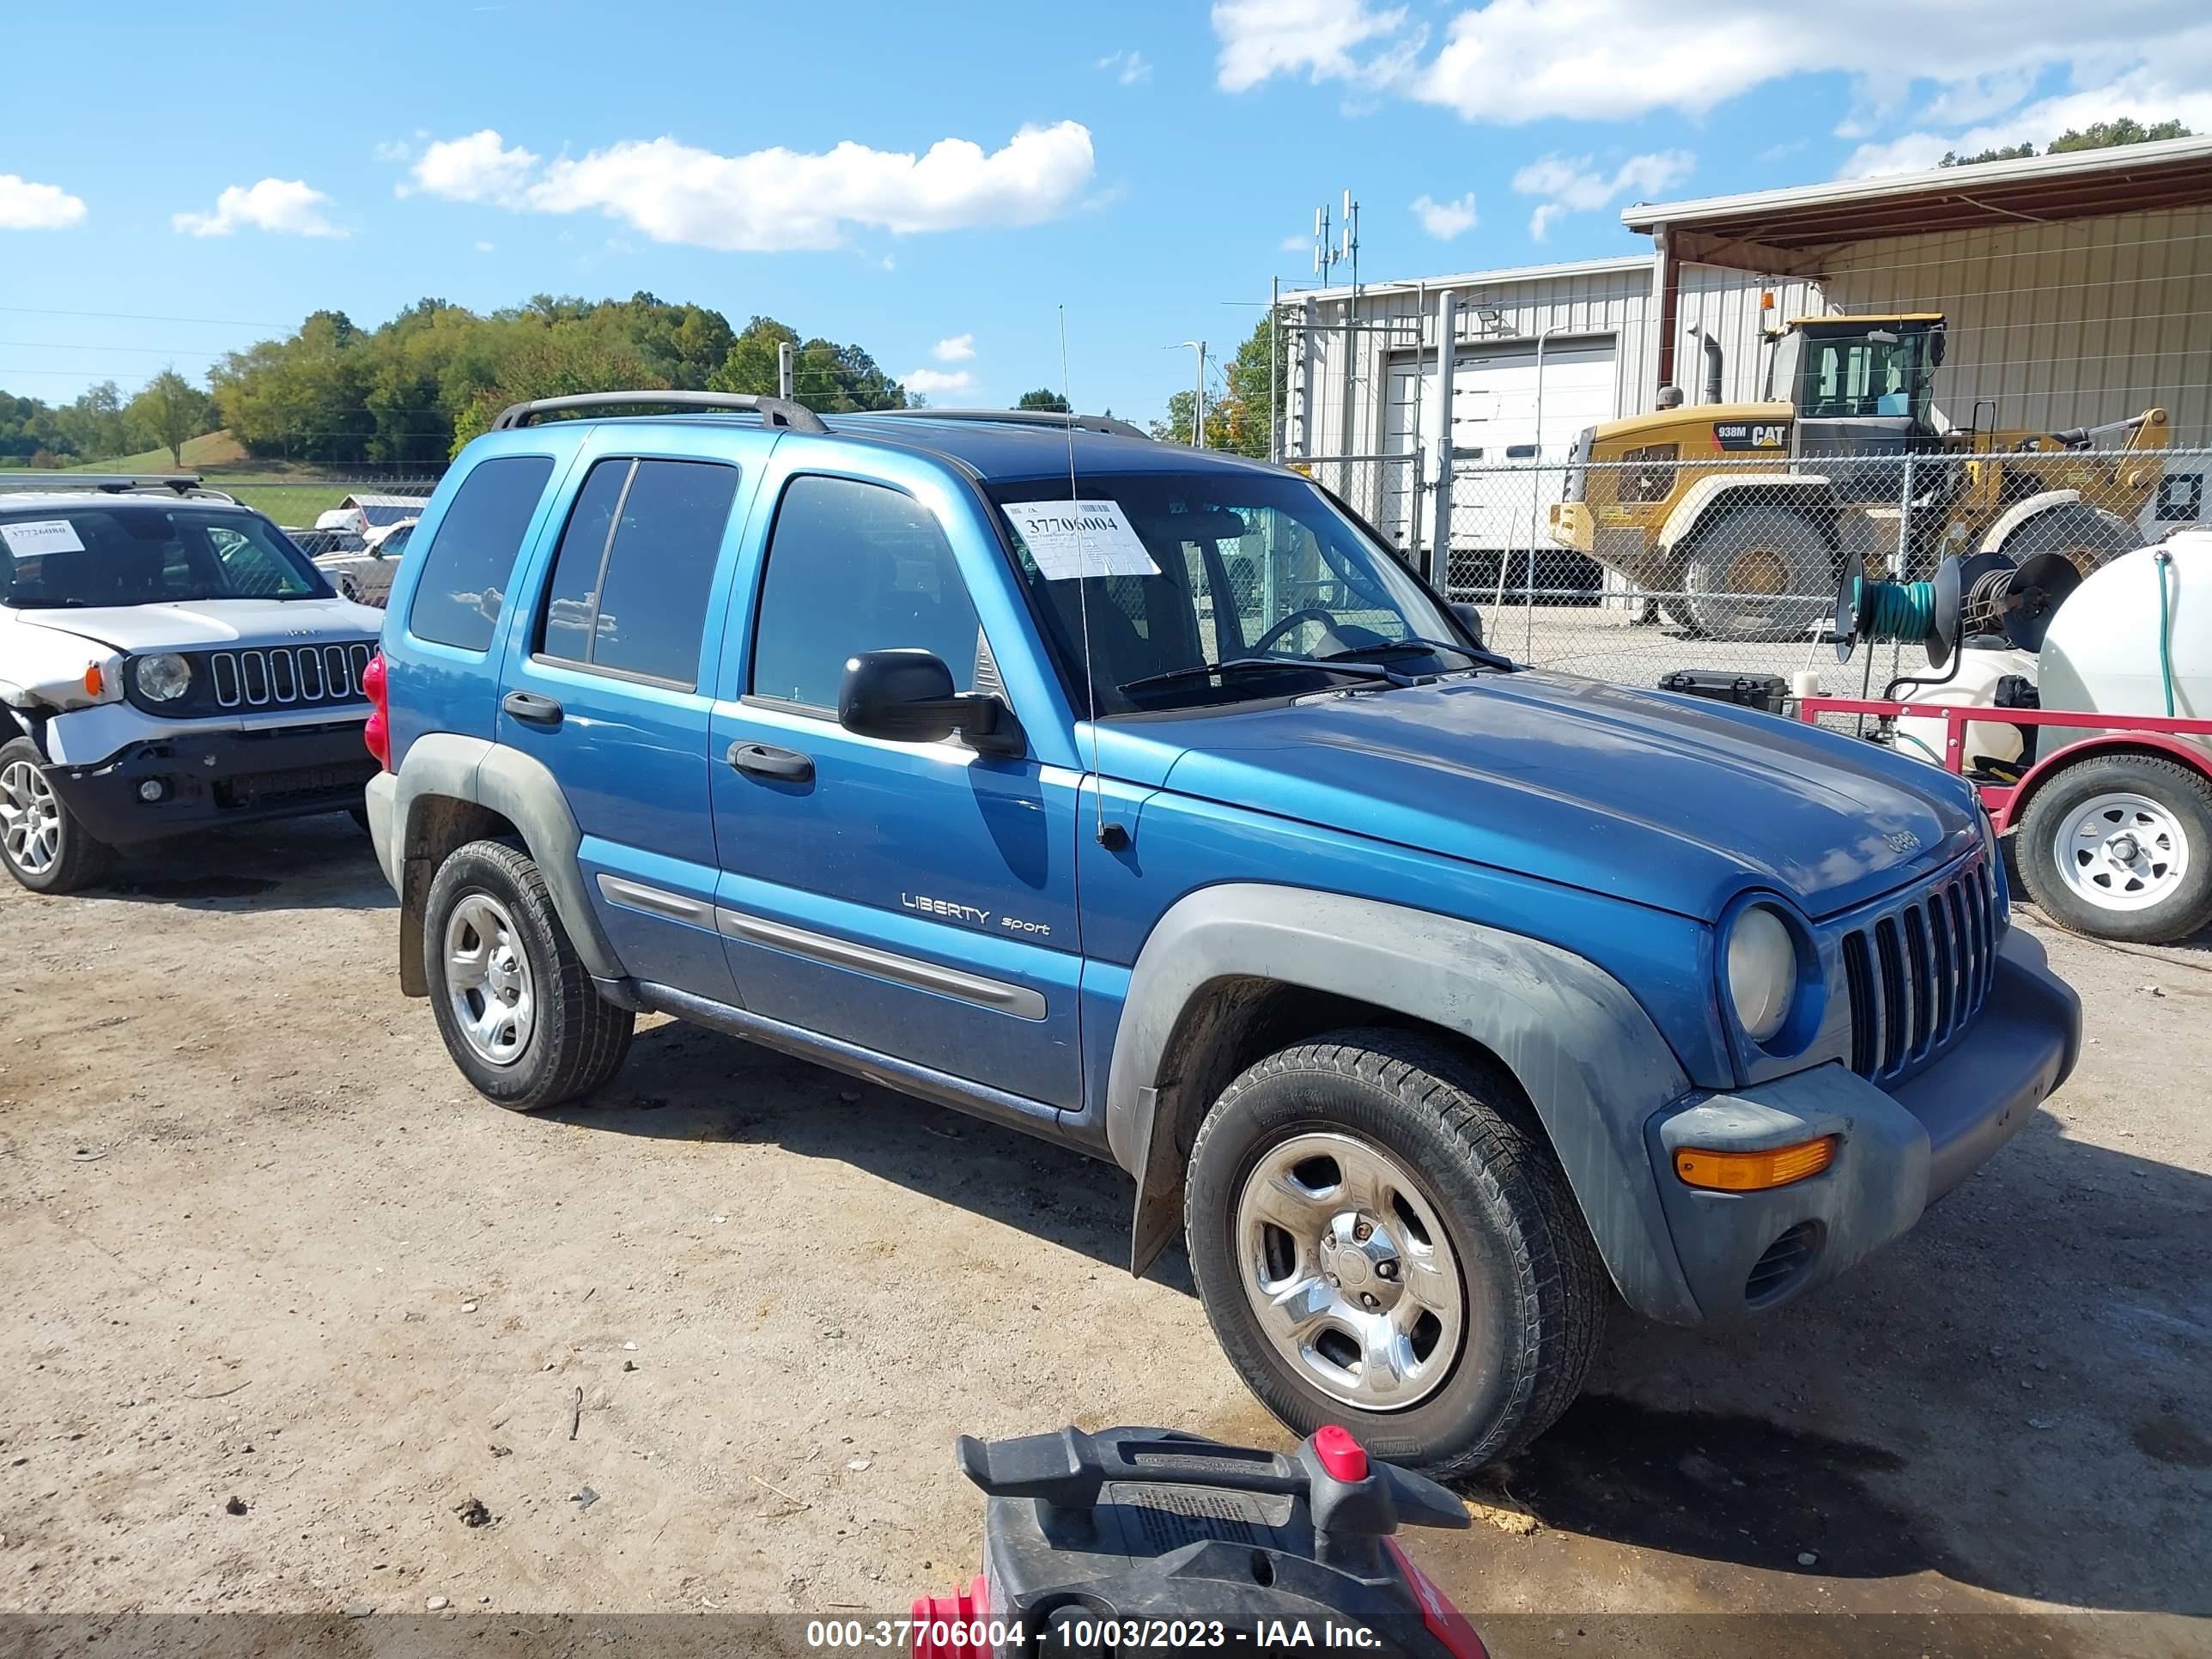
{"x":1906,"y":737}
{"x":2164,"y":560}
{"x":1900,"y":610}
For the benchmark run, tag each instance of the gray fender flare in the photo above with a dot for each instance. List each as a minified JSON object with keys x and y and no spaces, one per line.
{"x":520,"y":790}
{"x":1593,"y":1064}
{"x":1716,"y":491}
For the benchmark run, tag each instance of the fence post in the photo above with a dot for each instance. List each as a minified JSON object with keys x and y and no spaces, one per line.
{"x":1439,"y":547}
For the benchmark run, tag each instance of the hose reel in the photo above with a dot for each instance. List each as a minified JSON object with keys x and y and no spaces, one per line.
{"x":1985,"y":593}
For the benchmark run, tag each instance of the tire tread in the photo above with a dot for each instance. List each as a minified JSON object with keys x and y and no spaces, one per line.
{"x":1477,"y":1103}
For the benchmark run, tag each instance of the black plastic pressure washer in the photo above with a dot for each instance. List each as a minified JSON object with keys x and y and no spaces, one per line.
{"x":1133,"y":1540}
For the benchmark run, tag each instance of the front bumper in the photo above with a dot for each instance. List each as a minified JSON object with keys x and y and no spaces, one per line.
{"x":218,"y":777}
{"x":1744,"y":1252}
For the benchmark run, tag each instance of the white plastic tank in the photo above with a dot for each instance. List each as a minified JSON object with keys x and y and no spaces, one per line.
{"x":1975,"y":684}
{"x":2102,"y":655}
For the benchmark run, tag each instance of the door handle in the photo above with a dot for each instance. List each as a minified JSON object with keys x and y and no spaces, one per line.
{"x":760,"y":760}
{"x":529,"y":706}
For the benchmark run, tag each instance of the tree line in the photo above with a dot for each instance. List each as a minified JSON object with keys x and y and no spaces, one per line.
{"x":2098,"y":135}
{"x":103,"y":422}
{"x":410,"y":393}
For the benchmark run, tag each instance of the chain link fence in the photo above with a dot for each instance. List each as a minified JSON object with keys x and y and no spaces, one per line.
{"x":1627,"y":570}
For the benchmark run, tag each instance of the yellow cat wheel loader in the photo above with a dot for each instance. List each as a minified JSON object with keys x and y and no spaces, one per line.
{"x":1740,"y":516}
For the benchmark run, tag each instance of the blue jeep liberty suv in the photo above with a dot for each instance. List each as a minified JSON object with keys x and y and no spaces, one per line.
{"x":1140,"y":798}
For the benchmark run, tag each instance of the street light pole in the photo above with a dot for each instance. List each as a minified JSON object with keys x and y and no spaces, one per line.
{"x":1198,"y":399}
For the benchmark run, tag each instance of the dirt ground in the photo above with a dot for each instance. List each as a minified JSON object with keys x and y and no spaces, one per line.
{"x":262,"y":1245}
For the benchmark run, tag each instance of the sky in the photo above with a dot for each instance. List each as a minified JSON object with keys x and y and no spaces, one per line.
{"x":941,"y":184}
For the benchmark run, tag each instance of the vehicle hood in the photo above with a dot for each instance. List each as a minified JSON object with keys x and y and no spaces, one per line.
{"x":1664,"y":800}
{"x":202,"y":624}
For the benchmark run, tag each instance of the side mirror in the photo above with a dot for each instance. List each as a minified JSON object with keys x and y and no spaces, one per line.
{"x":906,"y":696}
{"x":1470,"y":619}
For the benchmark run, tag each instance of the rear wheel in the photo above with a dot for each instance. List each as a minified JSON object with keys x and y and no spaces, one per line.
{"x":1383,"y":1238}
{"x":515,"y":1005}
{"x":41,"y":843}
{"x":2088,"y":536}
{"x":1762,"y":572}
{"x":2119,"y":847}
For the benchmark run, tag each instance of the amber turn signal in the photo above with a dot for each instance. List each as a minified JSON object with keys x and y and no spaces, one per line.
{"x":95,"y":681}
{"x":1754,"y":1172}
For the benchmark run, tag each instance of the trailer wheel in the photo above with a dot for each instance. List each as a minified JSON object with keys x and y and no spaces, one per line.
{"x":1762,"y":572}
{"x":2119,"y":847}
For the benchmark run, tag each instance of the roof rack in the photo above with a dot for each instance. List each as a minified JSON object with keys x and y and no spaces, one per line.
{"x":1105,"y":424}
{"x":773,"y":411}
{"x":113,"y":483}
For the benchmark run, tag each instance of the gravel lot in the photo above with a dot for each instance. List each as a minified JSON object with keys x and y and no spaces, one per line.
{"x":261,"y":1245}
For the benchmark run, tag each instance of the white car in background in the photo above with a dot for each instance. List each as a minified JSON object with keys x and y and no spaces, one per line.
{"x":169,"y":661}
{"x":364,"y":575}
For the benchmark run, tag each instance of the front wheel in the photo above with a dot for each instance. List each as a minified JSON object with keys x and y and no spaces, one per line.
{"x":1383,"y":1238}
{"x":515,"y":1005}
{"x":1762,"y":572}
{"x":41,"y":843}
{"x":2119,"y":847}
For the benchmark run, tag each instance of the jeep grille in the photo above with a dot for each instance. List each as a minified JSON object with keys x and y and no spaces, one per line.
{"x":283,"y":677}
{"x":1919,"y":970}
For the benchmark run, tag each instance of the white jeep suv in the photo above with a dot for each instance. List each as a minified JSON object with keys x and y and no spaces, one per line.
{"x":168,"y":661}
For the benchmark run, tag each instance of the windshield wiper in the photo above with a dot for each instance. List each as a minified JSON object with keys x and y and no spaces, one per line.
{"x":1415,"y":642}
{"x":1366,"y":670}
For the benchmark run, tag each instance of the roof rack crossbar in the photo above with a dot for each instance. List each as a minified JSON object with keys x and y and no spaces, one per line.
{"x":773,"y":411}
{"x":39,"y":483}
{"x":1105,"y":424}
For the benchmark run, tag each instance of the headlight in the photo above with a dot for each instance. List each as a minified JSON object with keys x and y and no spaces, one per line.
{"x":1762,"y":971}
{"x":163,"y":678}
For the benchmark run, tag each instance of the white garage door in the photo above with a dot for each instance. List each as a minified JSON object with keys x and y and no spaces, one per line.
{"x":1494,"y":425}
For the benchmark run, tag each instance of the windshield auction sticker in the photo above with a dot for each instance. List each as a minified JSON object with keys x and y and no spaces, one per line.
{"x":1071,"y":539}
{"x":29,"y":541}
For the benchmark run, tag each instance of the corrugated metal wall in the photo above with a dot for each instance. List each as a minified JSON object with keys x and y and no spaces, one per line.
{"x":2062,"y":325}
{"x":1607,"y":299}
{"x":1724,"y":303}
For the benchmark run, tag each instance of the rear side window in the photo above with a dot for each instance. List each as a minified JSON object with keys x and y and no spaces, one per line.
{"x":466,"y":568}
{"x":631,"y":577}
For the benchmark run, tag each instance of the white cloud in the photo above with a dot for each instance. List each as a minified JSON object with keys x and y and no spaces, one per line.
{"x":27,"y":206}
{"x":954,"y":349}
{"x":1540,"y":222}
{"x":1126,"y":67}
{"x":1508,"y":62}
{"x":1577,"y":185}
{"x":926,"y":381}
{"x":2148,"y":95}
{"x":484,"y":247}
{"x":287,"y":206}
{"x":391,"y":149}
{"x":773,"y":200}
{"x":1445,"y":220}
{"x":1301,"y":242}
{"x":476,"y":169}
{"x":1264,"y":38}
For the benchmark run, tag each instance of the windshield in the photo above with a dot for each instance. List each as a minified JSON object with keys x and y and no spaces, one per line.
{"x":1243,"y":566}
{"x":96,"y":556}
{"x":1860,"y":376}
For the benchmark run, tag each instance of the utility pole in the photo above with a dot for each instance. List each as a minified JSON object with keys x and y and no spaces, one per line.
{"x":1333,"y":246}
{"x":1274,"y":371}
{"x":1198,"y":400}
{"x":783,"y":368}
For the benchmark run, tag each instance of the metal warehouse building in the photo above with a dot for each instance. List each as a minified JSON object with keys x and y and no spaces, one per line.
{"x":2078,"y":286}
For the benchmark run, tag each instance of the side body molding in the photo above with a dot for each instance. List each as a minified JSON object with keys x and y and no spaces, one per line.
{"x":448,"y":765}
{"x":1593,"y":1064}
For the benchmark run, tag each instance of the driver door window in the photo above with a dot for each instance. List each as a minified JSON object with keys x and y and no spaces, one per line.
{"x":856,"y":567}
